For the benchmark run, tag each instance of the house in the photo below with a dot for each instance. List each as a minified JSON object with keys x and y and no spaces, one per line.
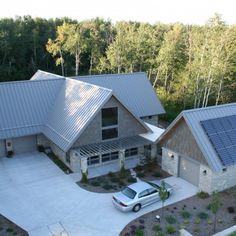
{"x":200,"y":147}
{"x":83,"y":123}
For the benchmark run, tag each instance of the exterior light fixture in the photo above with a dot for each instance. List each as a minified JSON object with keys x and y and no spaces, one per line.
{"x":204,"y":172}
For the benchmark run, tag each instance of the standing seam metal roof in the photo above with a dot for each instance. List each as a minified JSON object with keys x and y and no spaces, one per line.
{"x":134,"y":90}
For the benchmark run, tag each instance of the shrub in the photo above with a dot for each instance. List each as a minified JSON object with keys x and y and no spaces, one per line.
{"x":197,"y":220}
{"x":122,"y":173}
{"x":131,"y":180}
{"x":170,"y":219}
{"x":141,"y":175}
{"x":84,"y":178}
{"x":115,"y":179}
{"x":139,"y":168}
{"x":220,"y":221}
{"x":107,"y":186}
{"x":209,"y":222}
{"x":156,"y":228}
{"x":41,"y":148}
{"x":9,"y":230}
{"x":170,"y":229}
{"x":10,"y":154}
{"x":233,"y":234}
{"x":95,"y":183}
{"x":121,"y":183}
{"x":111,"y":174}
{"x":139,"y":232}
{"x":196,"y":230}
{"x":186,"y":222}
{"x":185,"y":214}
{"x":231,"y":209}
{"x":157,"y":174}
{"x":160,"y":234}
{"x":203,"y":195}
{"x":203,"y":215}
{"x":208,"y":207}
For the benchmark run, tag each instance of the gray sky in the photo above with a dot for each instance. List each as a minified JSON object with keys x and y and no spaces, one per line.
{"x":166,"y":11}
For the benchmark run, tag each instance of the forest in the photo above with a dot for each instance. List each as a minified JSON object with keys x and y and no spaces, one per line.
{"x":189,"y":66}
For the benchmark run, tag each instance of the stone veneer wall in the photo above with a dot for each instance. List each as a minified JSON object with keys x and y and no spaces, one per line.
{"x":58,"y":152}
{"x":153,"y":120}
{"x":170,"y":164}
{"x":43,"y":140}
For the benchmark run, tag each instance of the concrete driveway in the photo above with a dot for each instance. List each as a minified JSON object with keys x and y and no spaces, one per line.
{"x":39,"y":197}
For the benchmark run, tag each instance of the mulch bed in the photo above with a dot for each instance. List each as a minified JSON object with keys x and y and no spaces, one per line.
{"x":185,"y":214}
{"x":8,"y":228}
{"x":112,"y":182}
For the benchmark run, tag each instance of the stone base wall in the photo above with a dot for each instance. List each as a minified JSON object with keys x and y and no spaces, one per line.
{"x":170,"y":161}
{"x":58,"y":152}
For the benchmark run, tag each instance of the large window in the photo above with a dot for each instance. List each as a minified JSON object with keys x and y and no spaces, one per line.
{"x":109,"y":133}
{"x":109,"y":116}
{"x":110,"y":156}
{"x":131,"y":152}
{"x":93,"y":160}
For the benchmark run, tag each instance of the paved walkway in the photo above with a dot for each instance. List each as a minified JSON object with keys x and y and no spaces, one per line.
{"x":39,"y":197}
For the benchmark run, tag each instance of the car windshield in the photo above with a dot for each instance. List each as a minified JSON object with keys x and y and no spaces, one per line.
{"x":128,"y":192}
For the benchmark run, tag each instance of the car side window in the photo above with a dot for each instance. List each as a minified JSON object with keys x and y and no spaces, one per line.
{"x":152,"y":190}
{"x":143,"y":194}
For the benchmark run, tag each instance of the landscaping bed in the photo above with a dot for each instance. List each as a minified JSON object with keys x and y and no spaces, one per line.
{"x":7,"y":228}
{"x":113,"y":182}
{"x":193,"y":214}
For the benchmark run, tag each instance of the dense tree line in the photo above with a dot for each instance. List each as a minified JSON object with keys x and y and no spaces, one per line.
{"x":189,"y":65}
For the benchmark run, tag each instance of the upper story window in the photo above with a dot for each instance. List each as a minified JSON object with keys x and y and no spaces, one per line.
{"x":109,"y":116}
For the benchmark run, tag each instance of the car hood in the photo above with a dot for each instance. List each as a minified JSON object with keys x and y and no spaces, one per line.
{"x":122,"y":198}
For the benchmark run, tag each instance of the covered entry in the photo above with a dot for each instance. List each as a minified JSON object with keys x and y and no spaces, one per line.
{"x":189,"y":170}
{"x":24,"y":144}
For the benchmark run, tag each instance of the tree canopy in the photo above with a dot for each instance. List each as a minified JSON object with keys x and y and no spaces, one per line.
{"x":189,"y":66}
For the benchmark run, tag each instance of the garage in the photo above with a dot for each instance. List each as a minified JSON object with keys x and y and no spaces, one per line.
{"x":189,"y":170}
{"x":24,"y":144}
{"x":2,"y":148}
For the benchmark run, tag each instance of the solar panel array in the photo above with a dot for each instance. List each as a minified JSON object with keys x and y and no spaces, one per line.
{"x":222,"y":134}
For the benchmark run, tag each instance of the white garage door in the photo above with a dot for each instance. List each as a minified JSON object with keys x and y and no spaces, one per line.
{"x":24,"y":144}
{"x":2,"y":148}
{"x":189,"y":170}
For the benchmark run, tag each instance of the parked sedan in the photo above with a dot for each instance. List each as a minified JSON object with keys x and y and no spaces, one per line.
{"x":138,"y":195}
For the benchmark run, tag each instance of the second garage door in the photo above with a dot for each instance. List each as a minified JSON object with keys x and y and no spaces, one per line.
{"x":24,"y":144}
{"x":189,"y":170}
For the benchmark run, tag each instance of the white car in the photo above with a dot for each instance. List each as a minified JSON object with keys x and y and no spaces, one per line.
{"x":137,"y":195}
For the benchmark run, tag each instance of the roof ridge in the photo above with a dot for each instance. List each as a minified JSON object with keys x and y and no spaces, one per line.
{"x":207,"y":108}
{"x":111,"y":74}
{"x":28,"y":81}
{"x":92,"y":85}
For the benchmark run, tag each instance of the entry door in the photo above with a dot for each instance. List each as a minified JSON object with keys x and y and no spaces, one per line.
{"x":189,"y":170}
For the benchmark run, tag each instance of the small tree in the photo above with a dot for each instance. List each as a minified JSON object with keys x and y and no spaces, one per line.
{"x":215,"y":206}
{"x":163,"y":193}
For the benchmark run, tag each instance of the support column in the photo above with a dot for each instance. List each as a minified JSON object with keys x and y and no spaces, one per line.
{"x":122,"y":158}
{"x":84,"y":165}
{"x":153,"y":150}
{"x":74,"y":161}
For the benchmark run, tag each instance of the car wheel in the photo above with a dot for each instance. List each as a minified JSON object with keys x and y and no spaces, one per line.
{"x":137,"y":207}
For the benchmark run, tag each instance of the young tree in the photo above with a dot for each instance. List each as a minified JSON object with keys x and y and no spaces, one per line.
{"x":163,"y":194}
{"x":215,"y":206}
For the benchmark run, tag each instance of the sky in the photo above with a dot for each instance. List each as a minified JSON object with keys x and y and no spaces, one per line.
{"x":152,"y":11}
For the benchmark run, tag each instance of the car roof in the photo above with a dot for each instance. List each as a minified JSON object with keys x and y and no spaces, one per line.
{"x":140,"y":186}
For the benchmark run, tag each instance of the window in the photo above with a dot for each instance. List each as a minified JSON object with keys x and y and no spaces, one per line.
{"x":152,"y":190}
{"x":109,"y":116}
{"x":128,"y":192}
{"x":143,"y":194}
{"x":110,"y":156}
{"x":131,"y":152}
{"x":93,"y":160}
{"x":109,"y":133}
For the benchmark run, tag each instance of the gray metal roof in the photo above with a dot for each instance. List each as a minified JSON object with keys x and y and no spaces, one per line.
{"x":24,"y":106}
{"x":42,"y":75}
{"x":76,"y":105}
{"x":134,"y":90}
{"x":193,"y":119}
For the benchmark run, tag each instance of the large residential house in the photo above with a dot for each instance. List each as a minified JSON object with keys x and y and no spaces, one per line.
{"x":200,"y":147}
{"x":84,"y":120}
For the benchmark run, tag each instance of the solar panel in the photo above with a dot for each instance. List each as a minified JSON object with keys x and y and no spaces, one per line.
{"x":222,"y":134}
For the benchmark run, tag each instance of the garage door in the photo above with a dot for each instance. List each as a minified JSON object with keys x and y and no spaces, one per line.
{"x":2,"y":148}
{"x":189,"y":170}
{"x":24,"y":144}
